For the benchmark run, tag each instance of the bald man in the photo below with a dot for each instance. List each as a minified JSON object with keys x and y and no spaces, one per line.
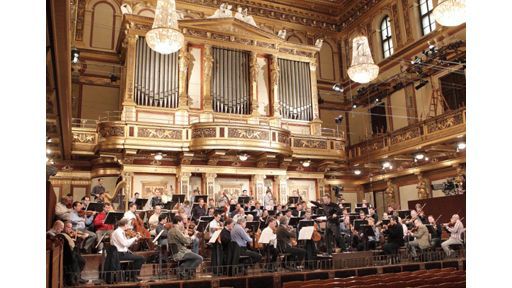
{"x":455,"y":227}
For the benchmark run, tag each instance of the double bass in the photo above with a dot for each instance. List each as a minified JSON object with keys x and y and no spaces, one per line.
{"x":138,"y":228}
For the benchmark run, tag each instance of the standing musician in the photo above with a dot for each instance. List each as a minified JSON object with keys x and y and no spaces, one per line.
{"x":199,"y":210}
{"x":421,"y":235}
{"x":284,"y":243}
{"x":332,"y":211}
{"x":80,"y":223}
{"x":437,"y":231}
{"x":455,"y":227}
{"x":215,"y":224}
{"x":122,"y":243}
{"x":98,"y":189}
{"x":225,"y":234}
{"x":395,"y":234}
{"x":189,"y":260}
{"x":241,"y":238}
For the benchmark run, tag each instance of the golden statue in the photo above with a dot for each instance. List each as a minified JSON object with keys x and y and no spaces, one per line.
{"x":460,"y":180}
{"x":389,"y":193}
{"x":422,"y":188}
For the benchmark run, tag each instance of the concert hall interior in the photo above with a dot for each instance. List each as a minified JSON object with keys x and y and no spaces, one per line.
{"x":260,"y":143}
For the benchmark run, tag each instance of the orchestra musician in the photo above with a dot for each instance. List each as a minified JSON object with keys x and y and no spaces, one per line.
{"x":395,"y":234}
{"x":257,"y":208}
{"x":122,"y":243}
{"x":332,"y":232}
{"x":98,"y":188}
{"x":421,"y":235}
{"x":369,"y":241}
{"x":85,"y":201}
{"x":268,"y":200}
{"x":437,"y":231}
{"x":153,"y":220}
{"x":298,"y":211}
{"x":57,"y":228}
{"x":80,"y":223}
{"x":241,"y":238}
{"x":157,"y":199}
{"x":223,"y":200}
{"x":189,"y":260}
{"x":371,"y":213}
{"x":130,"y":214}
{"x":239,"y":215}
{"x":100,"y":226}
{"x":284,"y":244}
{"x":63,"y":208}
{"x":199,"y":210}
{"x":421,"y":213}
{"x":215,"y":224}
{"x":456,"y":228}
{"x":162,"y":225}
{"x":271,"y":248}
{"x":225,"y":234}
{"x":74,"y":263}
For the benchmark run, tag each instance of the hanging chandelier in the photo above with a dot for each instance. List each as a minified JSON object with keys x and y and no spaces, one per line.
{"x":450,"y":12}
{"x":165,"y":37}
{"x":363,"y":69}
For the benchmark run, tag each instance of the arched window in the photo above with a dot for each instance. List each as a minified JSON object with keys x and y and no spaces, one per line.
{"x":385,"y":32}
{"x":428,"y":23}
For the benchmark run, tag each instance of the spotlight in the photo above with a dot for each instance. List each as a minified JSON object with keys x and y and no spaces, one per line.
{"x":377,"y":100}
{"x":338,"y":119}
{"x":306,"y":163}
{"x":416,"y":60}
{"x":422,"y":83}
{"x":48,"y":151}
{"x":426,"y":158}
{"x":387,"y":165}
{"x":159,"y":156}
{"x":337,"y":87}
{"x":75,"y":55}
{"x":461,"y":145}
{"x":419,"y":156}
{"x":48,"y":140}
{"x":243,"y":157}
{"x":357,"y":172}
{"x":354,"y":106}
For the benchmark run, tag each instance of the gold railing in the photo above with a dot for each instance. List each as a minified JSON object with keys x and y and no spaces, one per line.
{"x":432,"y":129}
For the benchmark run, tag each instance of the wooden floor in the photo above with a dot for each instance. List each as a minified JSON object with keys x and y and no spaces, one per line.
{"x":275,"y":280}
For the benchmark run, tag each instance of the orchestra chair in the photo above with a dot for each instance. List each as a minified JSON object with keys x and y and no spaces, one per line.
{"x":113,"y":270}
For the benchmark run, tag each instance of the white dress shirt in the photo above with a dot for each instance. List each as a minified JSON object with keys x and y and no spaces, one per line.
{"x":118,"y":239}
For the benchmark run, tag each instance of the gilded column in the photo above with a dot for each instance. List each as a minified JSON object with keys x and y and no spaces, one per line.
{"x":283,"y":189}
{"x":184,"y":180}
{"x":131,"y":42}
{"x":321,"y":188}
{"x":207,"y":76}
{"x":259,"y":187}
{"x":210,"y":185}
{"x":274,"y":82}
{"x":128,"y":190}
{"x":184,"y":64}
{"x":254,"y":84}
{"x":316,"y":125}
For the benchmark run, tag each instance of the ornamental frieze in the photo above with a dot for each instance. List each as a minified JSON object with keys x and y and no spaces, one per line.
{"x":405,"y":135}
{"x":282,"y":138}
{"x":203,"y":133}
{"x":159,"y":133}
{"x":111,"y":131}
{"x":85,"y":138}
{"x":445,"y":123}
{"x":248,"y":134}
{"x":309,"y":143}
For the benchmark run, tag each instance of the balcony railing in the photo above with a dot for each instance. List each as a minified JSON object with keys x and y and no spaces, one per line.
{"x":440,"y":126}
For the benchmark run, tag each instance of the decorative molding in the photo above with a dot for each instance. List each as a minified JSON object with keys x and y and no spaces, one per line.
{"x":159,"y":133}
{"x":85,"y":138}
{"x":309,"y":143}
{"x":248,"y":134}
{"x":203,"y":133}
{"x":110,"y":131}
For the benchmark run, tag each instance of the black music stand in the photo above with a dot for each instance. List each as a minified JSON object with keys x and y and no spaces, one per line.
{"x":253,"y":213}
{"x":169,"y":205}
{"x":113,"y":217}
{"x":206,"y":218}
{"x":244,"y":200}
{"x":141,"y":202}
{"x":294,"y":221}
{"x":178,"y":198}
{"x":95,"y":206}
{"x":358,"y":223}
{"x":305,"y":223}
{"x":385,"y":222}
{"x":293,"y":200}
{"x":404,"y":213}
{"x":271,"y":212}
{"x":232,"y":207}
{"x":253,"y":226}
{"x":201,"y":226}
{"x":219,"y":210}
{"x":347,"y":206}
{"x":359,"y":209}
{"x":204,"y":197}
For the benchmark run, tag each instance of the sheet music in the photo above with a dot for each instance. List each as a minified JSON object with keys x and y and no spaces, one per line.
{"x":306,"y":233}
{"x":158,"y":236}
{"x":321,"y":218}
{"x":215,"y":235}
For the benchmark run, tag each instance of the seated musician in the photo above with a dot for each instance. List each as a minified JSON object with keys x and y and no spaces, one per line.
{"x":57,"y":228}
{"x":199,"y":210}
{"x":421,"y":235}
{"x":135,"y":197}
{"x":369,"y":241}
{"x":223,"y":200}
{"x":284,"y":244}
{"x":189,"y":260}
{"x":100,"y":226}
{"x":130,"y":214}
{"x":239,"y":215}
{"x":211,"y":203}
{"x":153,"y":220}
{"x":263,"y":218}
{"x":80,"y":223}
{"x":250,"y":205}
{"x":122,"y":243}
{"x":371,"y":213}
{"x":435,"y":236}
{"x":257,"y":208}
{"x":225,"y":234}
{"x":61,"y":209}
{"x":288,"y":215}
{"x":346,"y":230}
{"x":210,"y":212}
{"x":299,"y":211}
{"x":271,"y":248}
{"x":241,"y":238}
{"x":74,"y":263}
{"x":410,"y":222}
{"x":215,"y":224}
{"x":85,"y":201}
{"x":395,"y":234}
{"x":186,"y":230}
{"x":157,"y":199}
{"x":455,"y":227}
{"x":162,"y":221}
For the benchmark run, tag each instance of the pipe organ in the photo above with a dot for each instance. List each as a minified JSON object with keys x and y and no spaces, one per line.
{"x":230,"y":84}
{"x":295,"y":97}
{"x":156,"y":77}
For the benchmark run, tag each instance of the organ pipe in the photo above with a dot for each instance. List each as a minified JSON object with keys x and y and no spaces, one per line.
{"x":295,"y":93}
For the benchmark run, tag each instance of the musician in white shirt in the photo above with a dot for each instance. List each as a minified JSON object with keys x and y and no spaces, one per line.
{"x":130,"y":214}
{"x":119,"y":240}
{"x":269,"y":233}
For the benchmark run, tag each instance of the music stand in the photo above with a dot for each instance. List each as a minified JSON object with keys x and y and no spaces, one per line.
{"x":294,"y":221}
{"x":358,"y":205}
{"x":293,"y":200}
{"x":169,"y":205}
{"x":352,"y":217}
{"x":113,"y":217}
{"x":141,"y":202}
{"x":201,"y":226}
{"x":253,"y":226}
{"x":271,"y":212}
{"x":244,"y":200}
{"x":367,"y":230}
{"x":219,"y":210}
{"x":95,"y":206}
{"x":206,"y":218}
{"x":358,"y":223}
{"x":178,"y":198}
{"x":385,"y":222}
{"x":347,"y":206}
{"x":253,"y":213}
{"x":232,"y":207}
{"x":305,"y":223}
{"x":403,"y":213}
{"x":359,"y":209}
{"x":204,"y":197}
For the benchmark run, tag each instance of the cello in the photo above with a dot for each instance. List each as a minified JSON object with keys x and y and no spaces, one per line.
{"x":138,"y":227}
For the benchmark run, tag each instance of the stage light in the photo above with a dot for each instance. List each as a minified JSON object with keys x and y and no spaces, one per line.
{"x":387,"y":165}
{"x":338,"y":119}
{"x":337,"y":87}
{"x":354,"y":106}
{"x":419,"y":156}
{"x":159,"y":156}
{"x":377,"y":100}
{"x":75,"y":55}
{"x":357,"y":172}
{"x":243,"y":157}
{"x":48,"y":151}
{"x":306,"y":163}
{"x":461,"y":145}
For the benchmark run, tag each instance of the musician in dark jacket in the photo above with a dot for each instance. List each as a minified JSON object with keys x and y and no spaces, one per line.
{"x":395,"y":234}
{"x":284,"y":244}
{"x":199,"y":210}
{"x":225,"y":234}
{"x":332,"y":230}
{"x":438,"y":230}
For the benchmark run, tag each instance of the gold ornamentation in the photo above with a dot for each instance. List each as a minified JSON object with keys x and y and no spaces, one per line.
{"x":80,"y":16}
{"x":283,"y":138}
{"x":86,"y":138}
{"x":247,"y":134}
{"x":159,"y":133}
{"x":203,"y":133}
{"x":389,"y":194}
{"x":308,"y":143}
{"x":110,"y":131}
{"x":422,"y":188}
{"x":405,"y":135}
{"x":444,"y":123}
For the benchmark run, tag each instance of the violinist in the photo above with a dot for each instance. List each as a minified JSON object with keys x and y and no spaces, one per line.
{"x":395,"y":234}
{"x":284,"y":242}
{"x":455,"y":227}
{"x":437,"y":231}
{"x":122,"y":243}
{"x":57,"y":228}
{"x":270,"y":233}
{"x":130,"y":214}
{"x":162,"y":225}
{"x":332,"y":232}
{"x":421,"y":235}
{"x":100,"y":226}
{"x":80,"y":223}
{"x":153,"y":220}
{"x":421,"y":213}
{"x":63,"y":208}
{"x":189,"y":260}
{"x":76,"y":263}
{"x":85,"y":201}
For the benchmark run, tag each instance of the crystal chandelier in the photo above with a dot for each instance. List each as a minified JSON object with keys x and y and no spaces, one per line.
{"x":165,"y":37}
{"x":450,"y":12}
{"x":362,"y":70}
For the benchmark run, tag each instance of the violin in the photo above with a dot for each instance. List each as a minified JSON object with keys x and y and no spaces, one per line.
{"x":87,"y":213}
{"x":129,"y":233}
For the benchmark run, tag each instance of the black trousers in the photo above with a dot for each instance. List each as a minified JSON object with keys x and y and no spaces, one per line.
{"x":254,"y":256}
{"x":390,"y":248}
{"x":137,"y":261}
{"x":332,"y":234}
{"x":297,"y":253}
